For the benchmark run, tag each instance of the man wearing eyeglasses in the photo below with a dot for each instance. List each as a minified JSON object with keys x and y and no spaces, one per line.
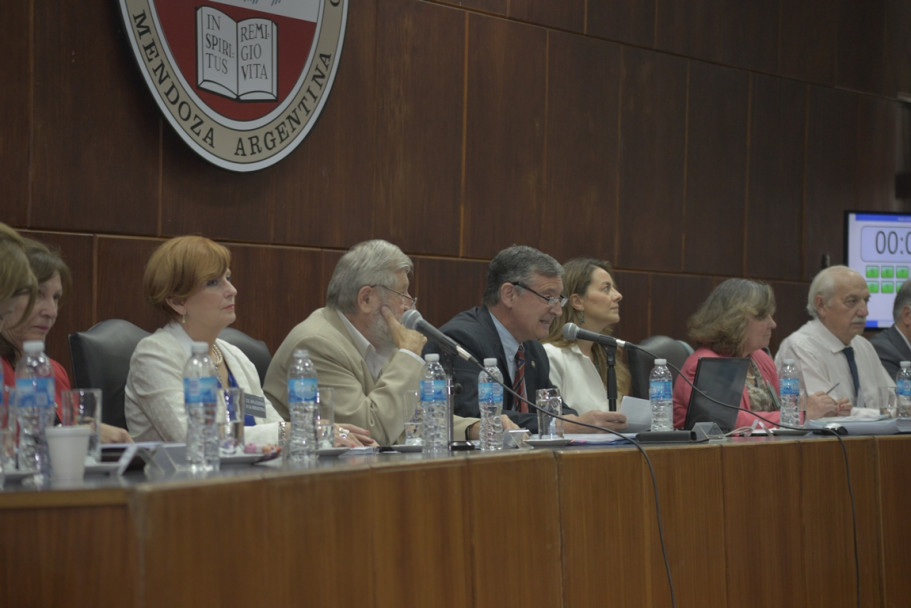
{"x":358,"y":344}
{"x":523,"y":295}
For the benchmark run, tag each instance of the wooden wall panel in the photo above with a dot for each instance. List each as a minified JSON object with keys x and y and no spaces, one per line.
{"x":582,"y":138}
{"x":421,"y":84}
{"x":831,"y":179}
{"x":505,"y":116}
{"x":623,"y":21}
{"x":716,"y":154}
{"x":895,"y":503}
{"x":730,"y":32}
{"x":634,"y":307}
{"x":860,"y":53}
{"x":898,"y":48}
{"x":877,"y":131}
{"x":652,"y":152}
{"x":566,"y":15}
{"x":673,"y":299}
{"x":809,"y":41}
{"x":120,"y":264}
{"x":95,"y":129}
{"x":791,"y":310}
{"x":447,"y":287}
{"x":774,"y":219}
{"x":324,"y":190}
{"x":16,"y":118}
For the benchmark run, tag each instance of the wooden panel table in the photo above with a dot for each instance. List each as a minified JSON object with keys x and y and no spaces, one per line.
{"x":747,"y":523}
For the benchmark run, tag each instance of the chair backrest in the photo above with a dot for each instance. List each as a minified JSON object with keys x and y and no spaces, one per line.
{"x":256,"y":350}
{"x":101,"y":359}
{"x":641,"y":362}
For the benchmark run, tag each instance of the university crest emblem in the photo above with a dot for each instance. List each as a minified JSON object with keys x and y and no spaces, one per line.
{"x":241,"y":81}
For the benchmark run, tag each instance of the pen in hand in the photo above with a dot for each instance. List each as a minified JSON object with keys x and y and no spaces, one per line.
{"x":834,"y":386}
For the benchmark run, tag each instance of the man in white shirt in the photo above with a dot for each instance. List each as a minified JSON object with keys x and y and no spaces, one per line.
{"x":832,"y":354}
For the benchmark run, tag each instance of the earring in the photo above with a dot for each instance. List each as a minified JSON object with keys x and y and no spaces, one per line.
{"x":183,"y":319}
{"x":581,"y":317}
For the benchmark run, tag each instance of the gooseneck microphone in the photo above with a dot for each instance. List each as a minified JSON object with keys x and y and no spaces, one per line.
{"x":571,"y":331}
{"x":412,"y":319}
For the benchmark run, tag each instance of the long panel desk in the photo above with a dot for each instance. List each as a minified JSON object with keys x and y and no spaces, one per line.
{"x":762,"y":522}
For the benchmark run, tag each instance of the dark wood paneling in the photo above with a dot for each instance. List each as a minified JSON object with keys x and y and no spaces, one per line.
{"x":505,"y":135}
{"x":95,"y":130}
{"x":791,"y":310}
{"x":621,"y":20}
{"x":898,"y":47}
{"x":652,"y":152}
{"x":421,"y":80}
{"x":120,"y":266}
{"x":324,"y":189}
{"x":716,"y":164}
{"x":893,"y":455}
{"x":673,"y":300}
{"x":860,"y":58}
{"x":277,"y":288}
{"x":731,"y":32}
{"x":582,"y":138}
{"x":809,"y":34}
{"x":877,"y":130}
{"x":447,"y":287}
{"x":564,"y":15}
{"x":487,"y":6}
{"x":831,"y":181}
{"x":199,"y":198}
{"x":775,"y":187}
{"x":16,"y":118}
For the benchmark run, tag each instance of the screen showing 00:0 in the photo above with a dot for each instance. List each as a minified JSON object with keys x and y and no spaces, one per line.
{"x":882,"y":244}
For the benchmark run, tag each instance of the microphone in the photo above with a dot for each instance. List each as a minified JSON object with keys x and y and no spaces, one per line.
{"x":412,"y":319}
{"x":571,"y":331}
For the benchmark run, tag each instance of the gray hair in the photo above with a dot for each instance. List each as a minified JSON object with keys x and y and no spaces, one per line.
{"x":902,"y":299}
{"x":373,"y":262}
{"x":824,"y":284}
{"x":517,"y":264}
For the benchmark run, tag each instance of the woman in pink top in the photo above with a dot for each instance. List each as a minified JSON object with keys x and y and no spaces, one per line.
{"x":736,"y":321}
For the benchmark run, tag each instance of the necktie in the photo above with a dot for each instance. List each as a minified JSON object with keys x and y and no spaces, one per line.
{"x":518,"y":381}
{"x":849,"y":355}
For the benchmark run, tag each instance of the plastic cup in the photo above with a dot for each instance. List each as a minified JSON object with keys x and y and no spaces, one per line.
{"x":67,"y":446}
{"x":82,"y":406}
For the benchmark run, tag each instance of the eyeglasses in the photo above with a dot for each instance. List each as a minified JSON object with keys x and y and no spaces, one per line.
{"x":551,"y":300}
{"x":412,"y":302}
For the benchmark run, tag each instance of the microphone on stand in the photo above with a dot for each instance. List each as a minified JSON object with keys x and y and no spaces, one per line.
{"x":571,"y":331}
{"x":412,"y":319}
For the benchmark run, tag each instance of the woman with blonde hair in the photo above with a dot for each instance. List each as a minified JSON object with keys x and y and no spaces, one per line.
{"x":17,"y":281}
{"x":579,"y":368}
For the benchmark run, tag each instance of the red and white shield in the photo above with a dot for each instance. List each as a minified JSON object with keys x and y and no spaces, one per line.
{"x":241,"y":81}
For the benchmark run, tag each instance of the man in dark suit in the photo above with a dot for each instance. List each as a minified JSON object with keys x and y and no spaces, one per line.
{"x":523,"y":295}
{"x":892,"y":345}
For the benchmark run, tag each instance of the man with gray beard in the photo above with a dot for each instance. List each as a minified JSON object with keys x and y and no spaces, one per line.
{"x":359,"y":346}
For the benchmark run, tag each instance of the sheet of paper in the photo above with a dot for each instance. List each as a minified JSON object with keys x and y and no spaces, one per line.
{"x":638,"y":414}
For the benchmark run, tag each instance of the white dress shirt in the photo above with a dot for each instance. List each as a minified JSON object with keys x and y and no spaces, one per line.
{"x":577,"y":378}
{"x":819,"y":353}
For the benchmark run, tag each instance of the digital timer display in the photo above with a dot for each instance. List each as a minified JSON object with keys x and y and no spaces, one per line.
{"x":878,"y":246}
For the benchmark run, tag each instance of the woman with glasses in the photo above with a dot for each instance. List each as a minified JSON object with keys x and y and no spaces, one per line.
{"x":579,"y":368}
{"x":736,"y":321}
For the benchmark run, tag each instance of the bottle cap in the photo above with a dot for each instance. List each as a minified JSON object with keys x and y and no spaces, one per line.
{"x":905,"y":364}
{"x":430,"y":357}
{"x":490,"y":362}
{"x":660,"y":361}
{"x":200,"y":348}
{"x":301,"y":353}
{"x":33,"y":347}
{"x":789,"y":361}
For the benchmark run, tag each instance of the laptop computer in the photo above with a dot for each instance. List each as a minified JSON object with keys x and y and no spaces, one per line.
{"x":720,"y":379}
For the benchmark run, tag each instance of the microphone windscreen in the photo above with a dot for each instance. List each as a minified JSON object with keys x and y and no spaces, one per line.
{"x":411,"y":318}
{"x":570,"y":330}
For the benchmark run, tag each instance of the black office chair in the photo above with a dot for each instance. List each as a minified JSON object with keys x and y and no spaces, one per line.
{"x":101,"y":359}
{"x":256,"y":350}
{"x":641,"y":364}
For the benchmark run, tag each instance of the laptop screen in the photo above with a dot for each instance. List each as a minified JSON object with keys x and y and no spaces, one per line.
{"x":722,"y":379}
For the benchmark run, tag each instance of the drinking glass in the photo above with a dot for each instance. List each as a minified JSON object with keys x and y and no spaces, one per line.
{"x":549,"y":402}
{"x":413,"y":419}
{"x":325,"y":398}
{"x":231,"y":424}
{"x":83,"y":406}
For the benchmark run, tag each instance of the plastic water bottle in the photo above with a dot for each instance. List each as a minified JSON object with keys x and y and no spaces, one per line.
{"x":435,"y":406}
{"x":903,"y":390}
{"x":789,"y":393}
{"x":34,"y":406}
{"x":302,"y":389}
{"x":661,"y":397}
{"x":200,"y":390}
{"x":490,"y":402}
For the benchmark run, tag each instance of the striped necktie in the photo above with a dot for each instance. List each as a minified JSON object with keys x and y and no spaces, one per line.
{"x":518,"y":382}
